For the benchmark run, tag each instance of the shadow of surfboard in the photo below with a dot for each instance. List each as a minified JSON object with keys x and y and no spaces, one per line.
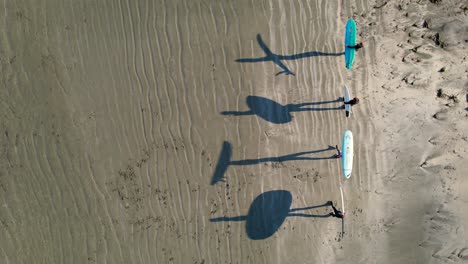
{"x":268,"y":212}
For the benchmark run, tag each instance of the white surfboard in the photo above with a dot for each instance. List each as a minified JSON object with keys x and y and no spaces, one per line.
{"x":347,"y":154}
{"x":347,"y":98}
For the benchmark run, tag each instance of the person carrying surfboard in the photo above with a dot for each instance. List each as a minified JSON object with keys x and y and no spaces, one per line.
{"x":336,"y":213}
{"x":357,"y":46}
{"x":353,"y":101}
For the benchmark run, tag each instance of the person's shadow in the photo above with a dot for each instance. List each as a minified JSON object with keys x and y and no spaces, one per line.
{"x":268,"y":212}
{"x":276,"y":113}
{"x":225,"y":161}
{"x":270,"y":56}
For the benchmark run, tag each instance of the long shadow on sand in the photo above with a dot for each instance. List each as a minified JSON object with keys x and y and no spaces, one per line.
{"x":225,"y":161}
{"x":268,"y":212}
{"x":277,"y":113}
{"x":270,"y":56}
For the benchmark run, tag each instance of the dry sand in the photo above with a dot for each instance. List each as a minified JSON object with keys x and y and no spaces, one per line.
{"x":131,"y":133}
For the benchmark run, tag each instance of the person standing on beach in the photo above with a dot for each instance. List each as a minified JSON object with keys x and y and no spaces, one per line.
{"x":338,"y":155}
{"x":336,"y":213}
{"x":357,"y":46}
{"x":353,"y":101}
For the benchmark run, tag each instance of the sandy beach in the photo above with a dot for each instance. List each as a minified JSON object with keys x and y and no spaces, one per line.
{"x":204,"y":132}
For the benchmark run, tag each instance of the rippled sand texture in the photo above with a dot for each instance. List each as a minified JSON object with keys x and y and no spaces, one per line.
{"x":112,"y":128}
{"x":166,"y":132}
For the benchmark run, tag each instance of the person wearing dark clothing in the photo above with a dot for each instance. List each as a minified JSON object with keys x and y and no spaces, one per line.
{"x":353,"y":101}
{"x":338,"y":155}
{"x":336,"y":213}
{"x":357,"y":46}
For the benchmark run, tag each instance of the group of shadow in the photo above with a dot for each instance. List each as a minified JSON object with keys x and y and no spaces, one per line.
{"x":269,"y":210}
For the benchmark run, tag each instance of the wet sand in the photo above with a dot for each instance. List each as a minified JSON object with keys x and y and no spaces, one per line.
{"x":166,"y":132}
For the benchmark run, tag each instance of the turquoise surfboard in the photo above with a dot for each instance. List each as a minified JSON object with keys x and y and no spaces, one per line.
{"x":350,"y":40}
